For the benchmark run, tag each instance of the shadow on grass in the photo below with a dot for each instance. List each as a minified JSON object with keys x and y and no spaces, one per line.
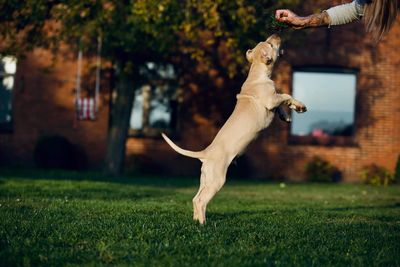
{"x":392,"y":206}
{"x":288,"y":213}
{"x":158,"y":181}
{"x":103,"y":187}
{"x":60,"y":175}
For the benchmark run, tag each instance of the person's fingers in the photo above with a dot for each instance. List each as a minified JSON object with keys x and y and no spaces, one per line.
{"x":278,"y":13}
{"x":281,"y":13}
{"x":282,"y":19}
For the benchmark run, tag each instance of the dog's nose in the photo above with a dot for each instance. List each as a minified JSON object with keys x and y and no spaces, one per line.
{"x":274,"y":38}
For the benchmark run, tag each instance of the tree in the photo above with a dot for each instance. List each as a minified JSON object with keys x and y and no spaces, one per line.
{"x":131,"y":32}
{"x":213,"y":33}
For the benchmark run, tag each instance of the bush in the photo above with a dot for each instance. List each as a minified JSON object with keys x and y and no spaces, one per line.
{"x":143,"y":164}
{"x":397,"y":170}
{"x":320,"y":170}
{"x":376,"y":175}
{"x":240,"y":168}
{"x":56,"y":152}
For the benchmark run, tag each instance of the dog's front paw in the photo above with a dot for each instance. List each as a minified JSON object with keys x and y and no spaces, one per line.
{"x":301,"y":109}
{"x":298,"y":107}
{"x":285,"y":117}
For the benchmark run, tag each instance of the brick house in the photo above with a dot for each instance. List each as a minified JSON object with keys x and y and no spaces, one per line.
{"x":350,"y":86}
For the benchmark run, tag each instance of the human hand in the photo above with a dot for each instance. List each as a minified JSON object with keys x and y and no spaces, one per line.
{"x":290,"y":18}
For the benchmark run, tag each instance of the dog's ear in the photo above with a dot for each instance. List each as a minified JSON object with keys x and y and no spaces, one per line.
{"x":265,"y":57}
{"x":249,"y":55}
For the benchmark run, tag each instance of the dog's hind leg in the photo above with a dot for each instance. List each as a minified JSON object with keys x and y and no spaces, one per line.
{"x":203,"y":178}
{"x":196,"y":211}
{"x":214,"y":178}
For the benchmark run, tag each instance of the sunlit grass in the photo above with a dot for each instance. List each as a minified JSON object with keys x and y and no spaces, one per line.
{"x":85,"y":219}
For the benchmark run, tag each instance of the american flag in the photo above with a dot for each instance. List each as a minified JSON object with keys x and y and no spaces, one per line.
{"x":86,"y":108}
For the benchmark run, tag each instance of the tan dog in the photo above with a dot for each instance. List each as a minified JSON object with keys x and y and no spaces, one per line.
{"x":254,"y":111}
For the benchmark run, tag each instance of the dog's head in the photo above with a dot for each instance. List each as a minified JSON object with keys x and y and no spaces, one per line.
{"x":266,"y":52}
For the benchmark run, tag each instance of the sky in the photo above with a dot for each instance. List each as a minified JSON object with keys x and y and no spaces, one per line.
{"x":325,"y":91}
{"x":329,"y":97}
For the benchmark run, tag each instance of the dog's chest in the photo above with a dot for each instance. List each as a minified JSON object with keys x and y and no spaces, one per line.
{"x":257,"y":116}
{"x":268,"y":117}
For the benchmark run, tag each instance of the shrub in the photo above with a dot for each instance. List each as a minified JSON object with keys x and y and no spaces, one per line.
{"x":320,"y":170}
{"x":56,"y":152}
{"x":397,"y":170}
{"x":143,"y":164}
{"x":240,"y":168}
{"x":376,"y":175}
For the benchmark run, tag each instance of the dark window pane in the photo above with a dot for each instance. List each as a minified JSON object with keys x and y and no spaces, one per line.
{"x":136,"y":121}
{"x":152,"y":107}
{"x":8,"y":67}
{"x":160,"y":111}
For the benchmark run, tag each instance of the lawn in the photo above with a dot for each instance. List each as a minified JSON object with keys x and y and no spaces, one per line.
{"x":73,"y":219}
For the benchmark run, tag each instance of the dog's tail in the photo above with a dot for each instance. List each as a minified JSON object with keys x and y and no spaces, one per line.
{"x":193,"y":154}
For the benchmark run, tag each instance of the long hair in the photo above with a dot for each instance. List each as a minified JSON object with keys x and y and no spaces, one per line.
{"x":379,"y":16}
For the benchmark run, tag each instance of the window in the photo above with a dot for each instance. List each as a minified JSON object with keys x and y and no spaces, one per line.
{"x":329,"y":95}
{"x":8,"y":67}
{"x":155,"y":105}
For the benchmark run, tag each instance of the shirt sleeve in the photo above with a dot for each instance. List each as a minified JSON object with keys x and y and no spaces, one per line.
{"x":346,"y":13}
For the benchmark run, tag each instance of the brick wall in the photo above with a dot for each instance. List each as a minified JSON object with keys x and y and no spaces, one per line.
{"x":43,"y":105}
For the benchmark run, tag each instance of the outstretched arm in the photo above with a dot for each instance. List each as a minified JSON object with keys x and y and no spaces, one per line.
{"x":298,"y":22}
{"x":337,"y":15}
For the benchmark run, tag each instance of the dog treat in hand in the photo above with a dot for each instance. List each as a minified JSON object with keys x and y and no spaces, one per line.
{"x":277,"y":25}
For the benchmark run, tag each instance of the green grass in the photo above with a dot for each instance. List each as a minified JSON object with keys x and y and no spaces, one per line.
{"x":71,"y":219}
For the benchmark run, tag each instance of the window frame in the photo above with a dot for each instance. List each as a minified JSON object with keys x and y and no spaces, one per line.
{"x":8,"y":127}
{"x":149,"y":132}
{"x":349,"y":141}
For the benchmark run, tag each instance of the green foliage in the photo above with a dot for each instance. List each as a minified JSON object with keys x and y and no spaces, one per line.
{"x":143,"y":30}
{"x":377,"y":175}
{"x":217,"y":33}
{"x":277,"y":25}
{"x":72,"y":219}
{"x":320,"y":170}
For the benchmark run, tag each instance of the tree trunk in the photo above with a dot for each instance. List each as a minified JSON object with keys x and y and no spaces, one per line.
{"x":120,"y":117}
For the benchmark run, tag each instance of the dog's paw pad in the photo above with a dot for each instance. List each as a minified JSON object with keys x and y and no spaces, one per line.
{"x":301,"y":109}
{"x":287,"y":119}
